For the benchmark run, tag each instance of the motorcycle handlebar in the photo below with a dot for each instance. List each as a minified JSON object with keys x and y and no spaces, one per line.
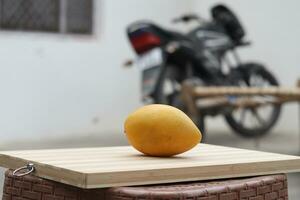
{"x":185,"y":18}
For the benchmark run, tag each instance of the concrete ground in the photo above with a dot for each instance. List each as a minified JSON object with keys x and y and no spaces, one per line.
{"x":280,"y":142}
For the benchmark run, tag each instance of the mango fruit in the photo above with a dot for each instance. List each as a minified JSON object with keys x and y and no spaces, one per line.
{"x":161,"y":130}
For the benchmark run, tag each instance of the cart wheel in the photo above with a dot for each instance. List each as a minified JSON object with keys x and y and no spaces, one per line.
{"x":255,"y":122}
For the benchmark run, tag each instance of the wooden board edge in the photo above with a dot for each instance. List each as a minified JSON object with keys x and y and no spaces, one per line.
{"x":159,"y":176}
{"x":248,"y":150}
{"x":46,"y":171}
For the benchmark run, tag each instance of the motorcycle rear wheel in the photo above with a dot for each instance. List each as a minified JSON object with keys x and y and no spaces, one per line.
{"x":257,"y":76}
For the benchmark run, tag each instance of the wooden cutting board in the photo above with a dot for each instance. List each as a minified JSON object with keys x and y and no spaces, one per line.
{"x":124,"y":166}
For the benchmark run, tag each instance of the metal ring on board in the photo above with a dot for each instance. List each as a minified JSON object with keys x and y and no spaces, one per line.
{"x":29,"y":168}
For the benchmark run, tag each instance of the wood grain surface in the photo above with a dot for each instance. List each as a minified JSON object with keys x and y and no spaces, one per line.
{"x":124,"y":166}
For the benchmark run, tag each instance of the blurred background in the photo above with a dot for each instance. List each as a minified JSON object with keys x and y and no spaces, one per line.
{"x":63,"y":83}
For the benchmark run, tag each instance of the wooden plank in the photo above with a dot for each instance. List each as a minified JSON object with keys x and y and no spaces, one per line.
{"x":188,"y":99}
{"x":55,"y":173}
{"x":200,"y":91}
{"x":239,"y":102}
{"x":123,"y":166}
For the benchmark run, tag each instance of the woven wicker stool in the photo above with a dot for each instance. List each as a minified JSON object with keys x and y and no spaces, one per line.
{"x":270,"y":187}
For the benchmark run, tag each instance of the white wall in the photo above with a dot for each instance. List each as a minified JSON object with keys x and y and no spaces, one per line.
{"x":54,"y":85}
{"x":274,"y":28}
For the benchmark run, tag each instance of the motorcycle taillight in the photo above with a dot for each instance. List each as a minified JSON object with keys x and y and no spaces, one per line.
{"x":144,"y":41}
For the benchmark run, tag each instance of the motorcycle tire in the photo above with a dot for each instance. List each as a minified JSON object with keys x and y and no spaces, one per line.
{"x":255,"y":69}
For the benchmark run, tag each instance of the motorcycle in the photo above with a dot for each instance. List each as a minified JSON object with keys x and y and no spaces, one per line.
{"x":167,"y":58}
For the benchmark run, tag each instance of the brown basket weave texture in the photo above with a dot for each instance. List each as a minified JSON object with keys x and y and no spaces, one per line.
{"x":34,"y":188}
{"x":272,"y":187}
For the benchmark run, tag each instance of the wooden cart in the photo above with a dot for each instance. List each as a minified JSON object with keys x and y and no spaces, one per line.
{"x":214,"y":100}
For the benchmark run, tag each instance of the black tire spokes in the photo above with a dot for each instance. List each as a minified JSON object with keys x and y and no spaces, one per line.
{"x":258,"y":117}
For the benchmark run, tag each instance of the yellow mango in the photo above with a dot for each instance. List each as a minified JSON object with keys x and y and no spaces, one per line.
{"x":161,"y":130}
